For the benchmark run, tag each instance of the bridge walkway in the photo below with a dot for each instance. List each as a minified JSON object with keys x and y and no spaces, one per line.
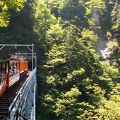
{"x":9,"y":96}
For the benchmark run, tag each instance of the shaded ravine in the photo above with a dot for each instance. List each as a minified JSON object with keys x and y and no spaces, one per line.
{"x":101,"y":47}
{"x":101,"y":43}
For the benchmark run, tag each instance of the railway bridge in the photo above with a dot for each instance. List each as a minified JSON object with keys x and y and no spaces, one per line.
{"x":19,"y":100}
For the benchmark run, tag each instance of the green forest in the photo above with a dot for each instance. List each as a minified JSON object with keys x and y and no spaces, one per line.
{"x":78,"y":48}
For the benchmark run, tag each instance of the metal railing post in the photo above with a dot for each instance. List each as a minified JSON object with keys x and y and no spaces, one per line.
{"x":25,"y":99}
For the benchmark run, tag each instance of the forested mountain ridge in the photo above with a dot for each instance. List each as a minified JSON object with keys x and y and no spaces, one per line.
{"x":74,"y":83}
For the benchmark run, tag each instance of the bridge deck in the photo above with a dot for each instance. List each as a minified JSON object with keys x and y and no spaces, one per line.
{"x":9,"y":96}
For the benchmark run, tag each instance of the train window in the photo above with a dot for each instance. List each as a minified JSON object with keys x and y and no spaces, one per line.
{"x":13,"y":68}
{"x":17,"y":67}
{"x":13,"y":64}
{"x":2,"y":79}
{"x":3,"y":68}
{"x":0,"y":65}
{"x":10,"y":64}
{"x":0,"y":68}
{"x":2,"y":72}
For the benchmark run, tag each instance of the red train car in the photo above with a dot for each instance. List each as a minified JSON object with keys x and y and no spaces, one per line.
{"x":10,"y":72}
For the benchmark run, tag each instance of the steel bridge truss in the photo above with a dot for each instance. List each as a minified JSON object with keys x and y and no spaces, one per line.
{"x":29,"y":47}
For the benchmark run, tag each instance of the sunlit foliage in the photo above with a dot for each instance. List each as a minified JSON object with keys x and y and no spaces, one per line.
{"x":7,"y":7}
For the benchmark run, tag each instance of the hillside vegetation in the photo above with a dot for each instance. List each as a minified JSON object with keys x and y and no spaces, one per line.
{"x":74,"y":81}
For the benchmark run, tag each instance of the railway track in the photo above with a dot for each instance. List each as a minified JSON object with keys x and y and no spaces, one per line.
{"x":9,"y":96}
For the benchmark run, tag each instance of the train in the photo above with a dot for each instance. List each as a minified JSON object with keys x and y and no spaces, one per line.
{"x":10,"y":72}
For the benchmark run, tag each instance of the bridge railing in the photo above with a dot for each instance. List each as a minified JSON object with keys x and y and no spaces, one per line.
{"x":24,"y":102}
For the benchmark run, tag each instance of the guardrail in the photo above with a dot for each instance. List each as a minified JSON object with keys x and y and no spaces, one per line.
{"x":25,"y":99}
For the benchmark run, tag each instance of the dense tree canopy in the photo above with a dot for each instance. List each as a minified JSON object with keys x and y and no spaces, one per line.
{"x":7,"y":7}
{"x":74,"y":82}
